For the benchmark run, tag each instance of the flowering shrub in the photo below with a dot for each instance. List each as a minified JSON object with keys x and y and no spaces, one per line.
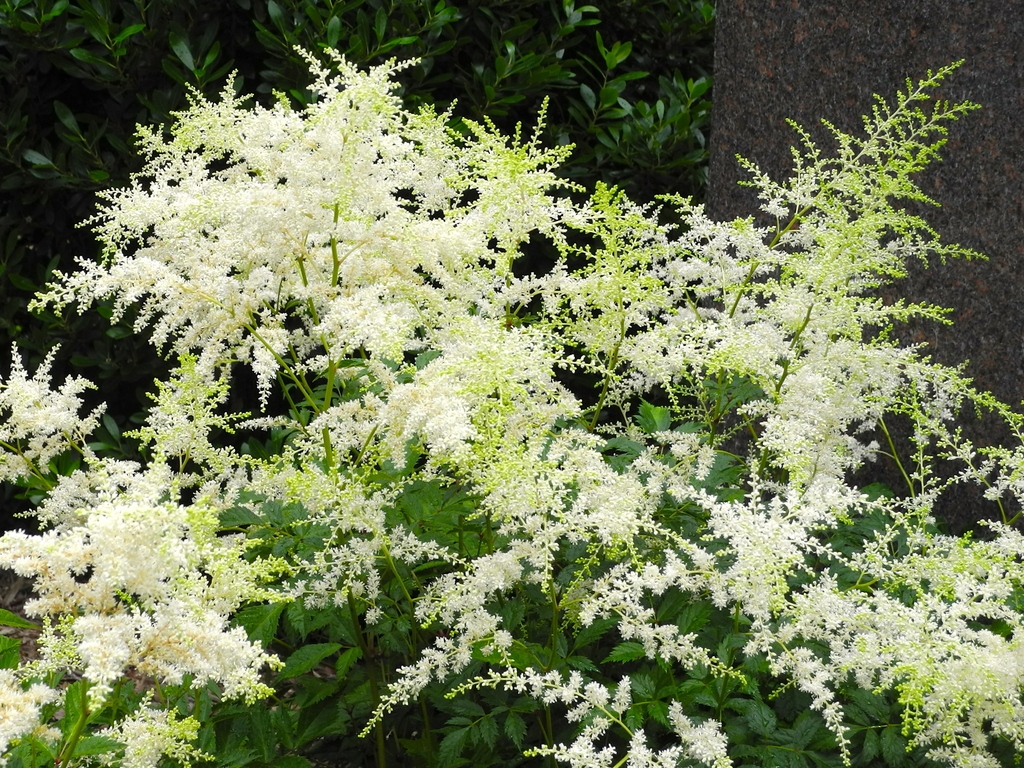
{"x":436,"y":545}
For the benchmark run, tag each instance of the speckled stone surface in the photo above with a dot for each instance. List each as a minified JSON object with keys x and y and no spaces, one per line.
{"x":813,"y":59}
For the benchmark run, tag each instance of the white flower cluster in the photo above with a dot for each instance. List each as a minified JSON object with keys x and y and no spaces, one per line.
{"x":152,"y":733}
{"x":148,"y":584}
{"x":19,"y":710}
{"x":38,"y":423}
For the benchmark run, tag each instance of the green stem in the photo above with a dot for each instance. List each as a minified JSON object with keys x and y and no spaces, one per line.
{"x":894,"y":455}
{"x":549,"y":733}
{"x":334,"y":250}
{"x":66,"y":753}
{"x":553,"y":591}
{"x":613,"y":362}
{"x":371,"y":675}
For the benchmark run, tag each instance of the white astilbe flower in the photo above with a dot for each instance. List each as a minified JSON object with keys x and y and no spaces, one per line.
{"x":148,"y":584}
{"x":150,"y":734}
{"x":38,"y":423}
{"x":765,"y":544}
{"x":101,"y":480}
{"x":958,"y":681}
{"x":184,"y":414}
{"x":19,"y":710}
{"x":361,"y":257}
{"x":270,"y":235}
{"x":705,"y":743}
{"x":624,"y":592}
{"x":490,"y":389}
{"x":352,"y":512}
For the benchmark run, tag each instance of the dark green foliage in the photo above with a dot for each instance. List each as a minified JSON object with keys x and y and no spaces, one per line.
{"x":628,"y":82}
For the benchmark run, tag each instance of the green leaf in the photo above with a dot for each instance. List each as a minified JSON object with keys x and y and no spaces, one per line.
{"x":127,"y":32}
{"x":515,"y":728}
{"x":894,"y":746}
{"x":589,"y":98}
{"x":90,"y":58}
{"x":291,"y":761}
{"x":618,"y":54}
{"x":305,"y":658}
{"x":643,"y":686}
{"x":592,"y":633}
{"x":260,"y":621}
{"x":66,"y":116}
{"x":235,"y":517}
{"x":8,"y":619}
{"x":345,"y":661}
{"x":759,"y":716}
{"x":73,"y":707}
{"x":58,"y":8}
{"x":486,"y":731}
{"x":465,"y":707}
{"x":451,"y":746}
{"x":10,"y":652}
{"x":179,"y":44}
{"x":37,"y":159}
{"x":96,"y":745}
{"x":333,"y":32}
{"x":276,"y":14}
{"x":871,"y":747}
{"x":627,"y":651}
{"x":653,"y":418}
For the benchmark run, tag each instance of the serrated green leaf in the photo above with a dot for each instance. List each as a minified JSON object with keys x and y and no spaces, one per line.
{"x":72,"y":706}
{"x":626,"y":651}
{"x":260,"y":621}
{"x":8,"y":619}
{"x":782,"y":758}
{"x":592,"y":633}
{"x":653,"y":418}
{"x":871,"y":747}
{"x":451,"y":746}
{"x":305,"y":658}
{"x":643,"y":686}
{"x":867,"y":708}
{"x":464,"y":707}
{"x":515,"y":729}
{"x":894,"y":746}
{"x":760,"y":717}
{"x":345,"y":661}
{"x":582,"y":663}
{"x":238,"y":516}
{"x":485,"y":731}
{"x":313,"y":690}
